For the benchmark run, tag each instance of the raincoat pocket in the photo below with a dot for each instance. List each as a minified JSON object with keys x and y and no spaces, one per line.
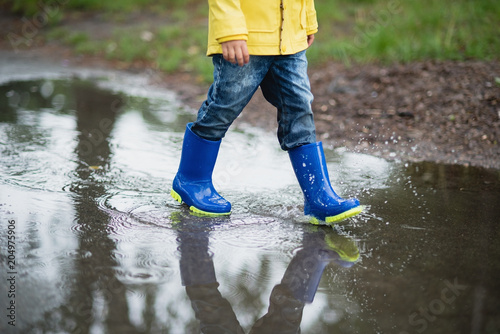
{"x":262,"y":18}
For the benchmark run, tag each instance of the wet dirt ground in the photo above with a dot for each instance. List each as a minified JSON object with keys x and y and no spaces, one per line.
{"x":87,"y":159}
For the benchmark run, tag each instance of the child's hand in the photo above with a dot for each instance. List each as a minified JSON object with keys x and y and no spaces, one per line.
{"x":236,"y":52}
{"x":310,"y":40}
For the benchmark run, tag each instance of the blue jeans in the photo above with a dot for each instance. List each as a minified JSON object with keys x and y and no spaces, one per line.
{"x":284,"y":83}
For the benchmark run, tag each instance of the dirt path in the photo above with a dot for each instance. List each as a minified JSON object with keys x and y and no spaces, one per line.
{"x":439,"y":111}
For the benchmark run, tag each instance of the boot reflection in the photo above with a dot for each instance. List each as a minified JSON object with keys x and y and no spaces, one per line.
{"x":321,"y":246}
{"x":198,"y":275}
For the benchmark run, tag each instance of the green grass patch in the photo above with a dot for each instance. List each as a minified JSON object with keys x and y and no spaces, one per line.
{"x":170,"y":48}
{"x":403,"y":31}
{"x":31,"y":7}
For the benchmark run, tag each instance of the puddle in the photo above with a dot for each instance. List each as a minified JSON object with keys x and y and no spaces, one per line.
{"x":100,"y":247}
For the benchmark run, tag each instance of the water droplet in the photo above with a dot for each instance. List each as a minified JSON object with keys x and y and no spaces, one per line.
{"x":47,"y":89}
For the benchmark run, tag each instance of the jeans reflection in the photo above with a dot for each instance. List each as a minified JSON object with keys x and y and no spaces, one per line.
{"x":320,"y":247}
{"x":213,"y":311}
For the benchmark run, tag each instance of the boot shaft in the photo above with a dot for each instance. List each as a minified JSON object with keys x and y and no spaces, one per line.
{"x":198,"y":156}
{"x":192,"y":184}
{"x":309,"y":165}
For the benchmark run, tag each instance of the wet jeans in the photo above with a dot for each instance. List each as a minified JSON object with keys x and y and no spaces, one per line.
{"x":284,"y":83}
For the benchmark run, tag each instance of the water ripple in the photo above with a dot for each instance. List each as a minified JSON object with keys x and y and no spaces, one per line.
{"x":141,"y":276}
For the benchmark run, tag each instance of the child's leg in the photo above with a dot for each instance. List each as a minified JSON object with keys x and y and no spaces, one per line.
{"x":287,"y":87}
{"x":232,"y":89}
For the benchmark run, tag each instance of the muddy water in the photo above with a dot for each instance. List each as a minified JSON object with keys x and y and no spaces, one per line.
{"x":100,"y":247}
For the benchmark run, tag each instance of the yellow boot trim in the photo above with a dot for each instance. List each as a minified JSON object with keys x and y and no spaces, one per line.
{"x":196,"y":211}
{"x":176,"y":196}
{"x":344,"y":215}
{"x":201,"y":213}
{"x":345,"y":247}
{"x":314,"y":221}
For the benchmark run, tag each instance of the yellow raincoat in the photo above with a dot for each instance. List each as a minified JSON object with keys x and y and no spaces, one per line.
{"x":270,"y":27}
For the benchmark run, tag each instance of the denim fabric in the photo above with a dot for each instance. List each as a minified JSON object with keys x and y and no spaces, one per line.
{"x":284,"y":83}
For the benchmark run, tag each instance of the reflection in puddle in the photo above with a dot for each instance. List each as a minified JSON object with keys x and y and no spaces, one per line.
{"x":298,"y":286}
{"x":85,"y":172}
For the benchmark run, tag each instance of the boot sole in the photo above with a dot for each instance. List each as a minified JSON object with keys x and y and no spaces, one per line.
{"x":195,"y":210}
{"x":334,"y":219}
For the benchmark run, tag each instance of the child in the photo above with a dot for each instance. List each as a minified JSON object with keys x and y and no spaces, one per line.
{"x":259,"y":43}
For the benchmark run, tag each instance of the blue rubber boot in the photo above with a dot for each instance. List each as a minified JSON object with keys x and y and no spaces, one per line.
{"x":320,"y":201}
{"x":193,"y":182}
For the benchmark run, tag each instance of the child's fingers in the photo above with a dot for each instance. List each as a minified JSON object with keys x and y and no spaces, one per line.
{"x":242,"y":56}
{"x":239,"y":56}
{"x":236,"y":52}
{"x":228,"y":53}
{"x":246,"y":55}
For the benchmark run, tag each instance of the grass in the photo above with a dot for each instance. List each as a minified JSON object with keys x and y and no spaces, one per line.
{"x":31,"y":7}
{"x":358,"y":31}
{"x":404,"y":31}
